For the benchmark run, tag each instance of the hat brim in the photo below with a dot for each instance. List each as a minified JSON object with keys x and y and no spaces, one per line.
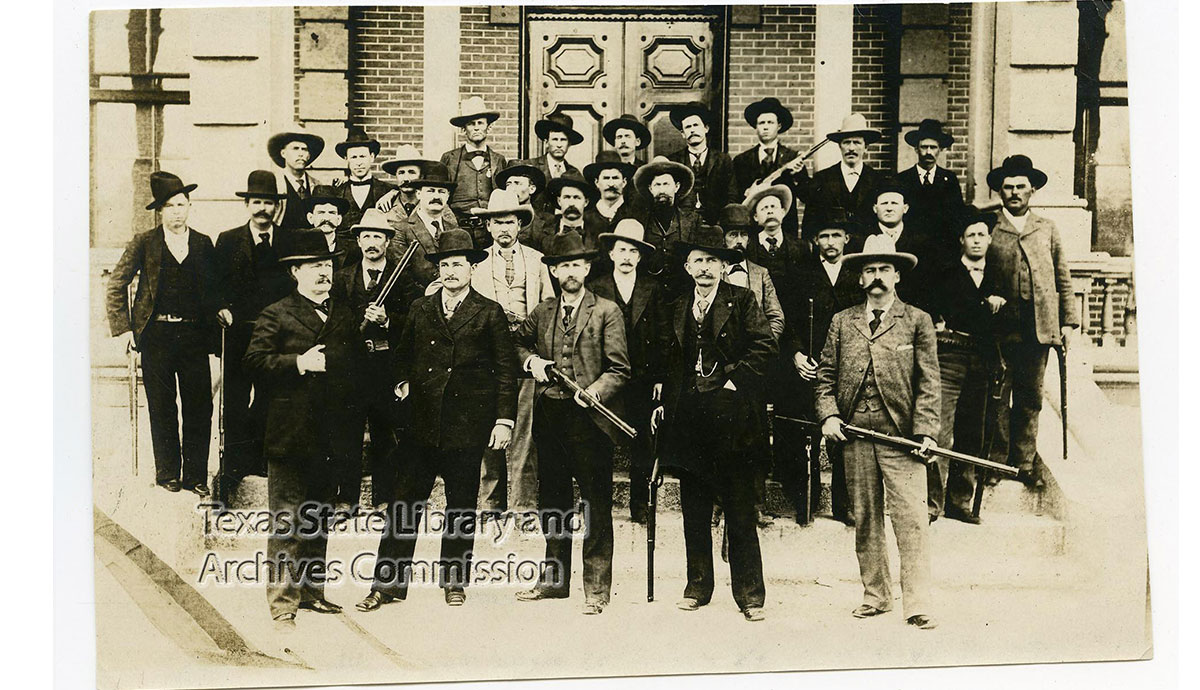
{"x":680,"y":114}
{"x":553,"y":187}
{"x":276,"y":143}
{"x":758,"y":108}
{"x":528,"y":171}
{"x":543,"y":128}
{"x":313,"y":201}
{"x":523,"y":213}
{"x":776,"y":190}
{"x":260,"y":195}
{"x":608,"y":239}
{"x":390,"y":167}
{"x":646,"y":174}
{"x":870,"y":136}
{"x":914,"y":138}
{"x":724,"y":253}
{"x":157,"y":203}
{"x":473,"y":255}
{"x":901,"y":260}
{"x":345,"y":146}
{"x":358,"y":229}
{"x":592,"y":170}
{"x":418,"y":183}
{"x":462,"y":120}
{"x":995,"y":178}
{"x":639,"y":130}
{"x":308,"y":258}
{"x":589,"y":254}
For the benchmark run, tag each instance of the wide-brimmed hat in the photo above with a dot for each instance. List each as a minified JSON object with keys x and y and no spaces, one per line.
{"x":472,"y":108}
{"x":1016,"y":166}
{"x":628,"y":230}
{"x":303,"y":246}
{"x":324,"y":194}
{"x":297,"y":133}
{"x":711,"y":239}
{"x":878,"y":248}
{"x":769,"y":105}
{"x":164,"y":185}
{"x":780,"y":191}
{"x":521,"y":169}
{"x":261,"y":184}
{"x":356,"y":136}
{"x":681,"y":112}
{"x":572,"y":178}
{"x":626,"y":121}
{"x":604,"y":161}
{"x":456,"y":242}
{"x":855,"y":125}
{"x":503,"y":202}
{"x":565,"y":247}
{"x":659,"y":165}
{"x":557,"y":122}
{"x":405,"y":155}
{"x":373,"y":220}
{"x":737,"y":217}
{"x":433,"y":174}
{"x":929,"y":129}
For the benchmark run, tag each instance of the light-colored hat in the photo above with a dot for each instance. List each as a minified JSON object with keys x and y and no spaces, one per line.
{"x":407,"y":154}
{"x":660,"y":165}
{"x":472,"y":108}
{"x":373,"y":220}
{"x":503,"y":202}
{"x":880,"y":247}
{"x":855,"y":125}
{"x":628,"y":230}
{"x":780,"y":191}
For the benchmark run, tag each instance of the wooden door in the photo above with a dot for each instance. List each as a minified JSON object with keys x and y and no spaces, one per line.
{"x":667,"y":63}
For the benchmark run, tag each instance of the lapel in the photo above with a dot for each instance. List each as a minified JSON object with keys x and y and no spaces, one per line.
{"x":434,"y":305}
{"x":303,"y":311}
{"x":756,"y":281}
{"x":721,"y":306}
{"x":533,"y":277}
{"x":155,"y":244}
{"x":585,"y":312}
{"x":466,"y":311}
{"x":683,"y":310}
{"x":422,"y":233}
{"x":640,"y":298}
{"x":863,"y":322}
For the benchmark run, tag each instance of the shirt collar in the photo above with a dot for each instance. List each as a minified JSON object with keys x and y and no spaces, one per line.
{"x":892,"y":232}
{"x":425,"y":218}
{"x":575,"y":304}
{"x":847,"y":170}
{"x":979,"y":263}
{"x":696,"y":296}
{"x":922,"y":173}
{"x":762,"y":149}
{"x":886,"y":309}
{"x":472,"y":148}
{"x":254,"y":234}
{"x":447,"y":301}
{"x":763,"y":235}
{"x":1018,"y":222}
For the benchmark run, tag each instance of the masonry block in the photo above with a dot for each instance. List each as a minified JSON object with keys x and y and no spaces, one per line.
{"x":324,"y":45}
{"x":1042,"y":100}
{"x":926,"y":14}
{"x":1044,"y":33}
{"x":219,"y":88}
{"x":326,"y":13}
{"x":229,"y":32}
{"x":332,"y":132}
{"x":925,"y":51}
{"x":324,"y":96}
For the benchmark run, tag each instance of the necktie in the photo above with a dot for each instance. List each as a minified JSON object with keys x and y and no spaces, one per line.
{"x":567,"y":309}
{"x":768,"y":158}
{"x":264,"y":238}
{"x":875,"y":321}
{"x":772,"y":245}
{"x":323,"y":306}
{"x":373,"y":275}
{"x":701,"y":311}
{"x":408,"y":207}
{"x":510,"y":271}
{"x":735,"y":268}
{"x":303,"y":188}
{"x":976,"y":275}
{"x":361,"y":183}
{"x":928,"y":179}
{"x":450,"y":309}
{"x":437,"y":228}
{"x":696,"y":162}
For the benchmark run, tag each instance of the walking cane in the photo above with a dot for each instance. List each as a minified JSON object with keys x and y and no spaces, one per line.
{"x":1062,"y":392}
{"x":220,"y":489}
{"x":652,"y":517}
{"x":133,"y":391}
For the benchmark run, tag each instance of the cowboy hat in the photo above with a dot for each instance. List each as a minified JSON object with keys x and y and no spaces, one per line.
{"x":607,"y":160}
{"x":521,"y":169}
{"x":737,"y":217}
{"x":710,"y":239}
{"x":879,"y":248}
{"x":261,"y":184}
{"x":324,"y":194}
{"x":661,"y":166}
{"x":356,"y":137}
{"x":855,"y":125}
{"x":929,"y":129}
{"x":779,"y":191}
{"x":373,"y":220}
{"x":630,"y":122}
{"x":572,"y":178}
{"x":1016,"y":166}
{"x":557,"y":122}
{"x":433,"y":174}
{"x":303,"y":246}
{"x":627,"y":230}
{"x":472,"y":108}
{"x":682,"y":112}
{"x":769,"y":105}
{"x":164,"y":185}
{"x":503,"y":202}
{"x":277,"y":141}
{"x":456,"y":242}
{"x":405,"y":155}
{"x":565,"y":247}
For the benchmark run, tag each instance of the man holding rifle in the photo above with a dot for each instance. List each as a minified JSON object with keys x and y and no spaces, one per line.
{"x":879,"y":371}
{"x":576,"y":338}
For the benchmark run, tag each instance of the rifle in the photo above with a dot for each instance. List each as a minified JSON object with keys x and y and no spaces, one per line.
{"x":1062,"y":392}
{"x":555,"y":373}
{"x":814,"y":441}
{"x":391,"y":281}
{"x":990,"y":406}
{"x":774,"y":174}
{"x":908,"y":444}
{"x":651,"y":517}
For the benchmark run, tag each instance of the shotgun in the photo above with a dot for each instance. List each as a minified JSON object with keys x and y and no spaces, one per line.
{"x":991,"y":406}
{"x":556,"y":374}
{"x":391,"y":281}
{"x":793,"y":165}
{"x":220,"y":489}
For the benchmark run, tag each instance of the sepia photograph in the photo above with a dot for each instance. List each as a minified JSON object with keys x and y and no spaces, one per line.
{"x":439,"y":343}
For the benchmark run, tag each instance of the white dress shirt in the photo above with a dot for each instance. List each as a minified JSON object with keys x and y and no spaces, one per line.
{"x":975,"y":268}
{"x":893,"y":233}
{"x":177,"y":243}
{"x":429,"y":223}
{"x":741,"y":277}
{"x":1018,"y":222}
{"x":625,"y":283}
{"x":926,"y":176}
{"x":360,"y":192}
{"x":833,"y":270}
{"x":706,"y":299}
{"x":850,"y":175}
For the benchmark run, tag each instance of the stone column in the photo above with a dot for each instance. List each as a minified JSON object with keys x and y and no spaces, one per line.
{"x":323,"y":89}
{"x":835,"y":53}
{"x":442,"y":40}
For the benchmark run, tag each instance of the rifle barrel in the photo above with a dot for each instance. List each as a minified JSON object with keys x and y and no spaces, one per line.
{"x":596,"y":404}
{"x":391,"y":281}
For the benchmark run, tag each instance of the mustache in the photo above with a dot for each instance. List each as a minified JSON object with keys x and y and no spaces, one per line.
{"x":877,"y":283}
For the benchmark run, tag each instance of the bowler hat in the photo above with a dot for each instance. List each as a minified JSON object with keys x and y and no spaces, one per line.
{"x":373,"y":220}
{"x":879,"y":248}
{"x":629,"y":122}
{"x":456,"y":242}
{"x":503,"y":202}
{"x":472,"y":108}
{"x":661,"y":166}
{"x":565,"y":247}
{"x":433,"y":174}
{"x":276,"y":143}
{"x":405,"y":155}
{"x":973,"y":216}
{"x":324,"y":194}
{"x":1016,"y":166}
{"x":855,"y":125}
{"x":606,"y":160}
{"x":557,"y":122}
{"x":627,"y":230}
{"x":682,"y":112}
{"x":303,"y":246}
{"x":929,"y":129}
{"x":737,"y":217}
{"x":769,"y":104}
{"x":571,"y":178}
{"x":711,"y":239}
{"x":261,"y":184}
{"x":357,"y":137}
{"x":164,"y":185}
{"x":521,"y":169}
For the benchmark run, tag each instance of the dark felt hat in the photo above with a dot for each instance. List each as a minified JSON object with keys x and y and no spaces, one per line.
{"x":324,"y":194}
{"x":433,"y":174}
{"x":974,"y":215}
{"x":565,"y":247}
{"x":572,"y":178}
{"x":164,"y":185}
{"x":607,"y":160}
{"x":521,"y":169}
{"x":737,"y":217}
{"x":929,"y":129}
{"x":357,"y":137}
{"x":276,"y":143}
{"x":769,"y":105}
{"x":1016,"y":166}
{"x":261,"y":184}
{"x":681,"y":112}
{"x":456,"y":242}
{"x":557,"y":122}
{"x":711,"y":239}
{"x":303,"y":246}
{"x":630,"y":122}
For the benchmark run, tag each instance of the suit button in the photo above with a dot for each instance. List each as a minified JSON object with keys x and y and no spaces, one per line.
{"x":433,"y":342}
{"x":431,"y":370}
{"x":447,"y":370}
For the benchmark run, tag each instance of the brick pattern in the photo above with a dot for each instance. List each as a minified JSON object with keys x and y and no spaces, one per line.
{"x":776,"y":59}
{"x":875,"y":83}
{"x":490,"y":68}
{"x":959,"y":82}
{"x":387,"y":61}
{"x":296,"y":25}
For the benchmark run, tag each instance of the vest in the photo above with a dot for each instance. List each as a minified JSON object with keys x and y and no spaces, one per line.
{"x":869,"y":399}
{"x":706,"y":371}
{"x":562,"y":352}
{"x":472,"y":187}
{"x":178,"y":287}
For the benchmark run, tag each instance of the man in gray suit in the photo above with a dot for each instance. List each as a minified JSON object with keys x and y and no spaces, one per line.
{"x":879,"y":371}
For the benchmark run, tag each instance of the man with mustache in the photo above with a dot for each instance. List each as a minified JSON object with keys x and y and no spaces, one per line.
{"x":718,"y":346}
{"x":425,"y":225}
{"x":471,"y":166}
{"x":325,"y":209}
{"x":583,"y":335}
{"x":769,"y":118}
{"x":627,"y":135}
{"x":845,"y":189}
{"x":251,"y":278}
{"x":572,"y":195}
{"x":557,"y":131}
{"x":524,"y":181}
{"x":401,"y":202}
{"x":935,"y":201}
{"x":361,"y":190}
{"x":293,"y":151}
{"x":662,"y":185}
{"x":712,"y":169}
{"x":879,"y":371}
{"x":611,"y":177}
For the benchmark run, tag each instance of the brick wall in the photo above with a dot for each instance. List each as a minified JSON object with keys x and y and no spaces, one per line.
{"x":490,"y":68}
{"x":773,"y":59}
{"x":959,"y":82}
{"x":387,"y":61}
{"x":874,"y":90}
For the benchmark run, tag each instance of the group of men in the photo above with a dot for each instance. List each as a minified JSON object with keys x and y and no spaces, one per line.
{"x":687,"y":294}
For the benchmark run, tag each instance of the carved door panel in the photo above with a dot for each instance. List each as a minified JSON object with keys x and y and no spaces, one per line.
{"x":667,"y":64}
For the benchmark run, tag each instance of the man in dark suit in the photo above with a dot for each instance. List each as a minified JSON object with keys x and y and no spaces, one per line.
{"x":471,"y":166}
{"x":845,"y":189}
{"x":173,"y":324}
{"x":769,"y":118}
{"x":401,"y":203}
{"x":557,"y":131}
{"x":627,"y":135}
{"x":525,"y":181}
{"x":325,"y":213}
{"x":611,"y":178}
{"x":712,"y":169}
{"x":293,"y":151}
{"x":638,"y":296}
{"x":935,"y":201}
{"x":457,"y":370}
{"x":250,"y":279}
{"x":891,"y":219}
{"x":425,"y":224}
{"x":663,"y":185}
{"x":298,"y":358}
{"x":361,"y":190}
{"x":571,"y":196}
{"x":879,"y":371}
{"x":717,"y":353}
{"x":584,"y":337}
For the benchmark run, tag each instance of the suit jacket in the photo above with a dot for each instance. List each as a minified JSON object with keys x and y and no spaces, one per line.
{"x":541,"y":200}
{"x":758,"y":281}
{"x":903,"y":353}
{"x":298,"y":407}
{"x":936,"y":209}
{"x":914,"y":286}
{"x":747,"y":169}
{"x":599,"y":354}
{"x":290,"y":212}
{"x":143,"y":255}
{"x":665,"y":264}
{"x":1041,"y":249}
{"x":462,"y":373}
{"x":786,"y":269}
{"x":828,"y":299}
{"x":378,"y":189}
{"x":593,"y":225}
{"x":350,"y":290}
{"x":712,"y":183}
{"x":537,"y":277}
{"x":644,"y":333}
{"x":409,"y":230}
{"x":247,"y":287}
{"x":825,"y":194}
{"x":956,"y":300}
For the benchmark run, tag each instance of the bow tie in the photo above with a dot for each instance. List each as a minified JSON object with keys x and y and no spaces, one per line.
{"x":735,"y":268}
{"x":975,"y":269}
{"x":361,"y":183}
{"x":476,"y":154}
{"x":322,"y":307}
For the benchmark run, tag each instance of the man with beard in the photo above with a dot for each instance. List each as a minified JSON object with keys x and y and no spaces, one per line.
{"x":251,"y":278}
{"x":662,"y":185}
{"x":627,"y":135}
{"x":583,"y":335}
{"x":325,"y":209}
{"x":524,"y":181}
{"x":934,"y":196}
{"x":717,"y":352}
{"x":879,"y":371}
{"x":292,"y":151}
{"x":513,"y":276}
{"x":401,"y":202}
{"x":845,"y":189}
{"x":457,"y":370}
{"x":891,"y":215}
{"x":712,"y":170}
{"x":769,"y":118}
{"x":297,"y":356}
{"x":471,"y":166}
{"x":572,"y":195}
{"x":361,"y":190}
{"x":611,"y":178}
{"x":638,"y":296}
{"x":425,"y":225}
{"x":557,"y":131}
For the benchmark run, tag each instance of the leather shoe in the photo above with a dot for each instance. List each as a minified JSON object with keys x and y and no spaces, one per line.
{"x":961,"y":516}
{"x":200,"y":489}
{"x":456,"y":597}
{"x":688,"y":604}
{"x":638,"y":514}
{"x":539,"y":593}
{"x":922,"y":622}
{"x":373,"y":601}
{"x":1030,"y":478}
{"x":320,"y":606}
{"x":593,"y":608}
{"x":285,"y":622}
{"x":866,"y":611}
{"x":754,"y":614}
{"x":171,"y":485}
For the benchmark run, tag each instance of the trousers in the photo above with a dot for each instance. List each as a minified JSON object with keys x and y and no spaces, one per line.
{"x":298,"y":492}
{"x":965,"y":376}
{"x":174,"y":358}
